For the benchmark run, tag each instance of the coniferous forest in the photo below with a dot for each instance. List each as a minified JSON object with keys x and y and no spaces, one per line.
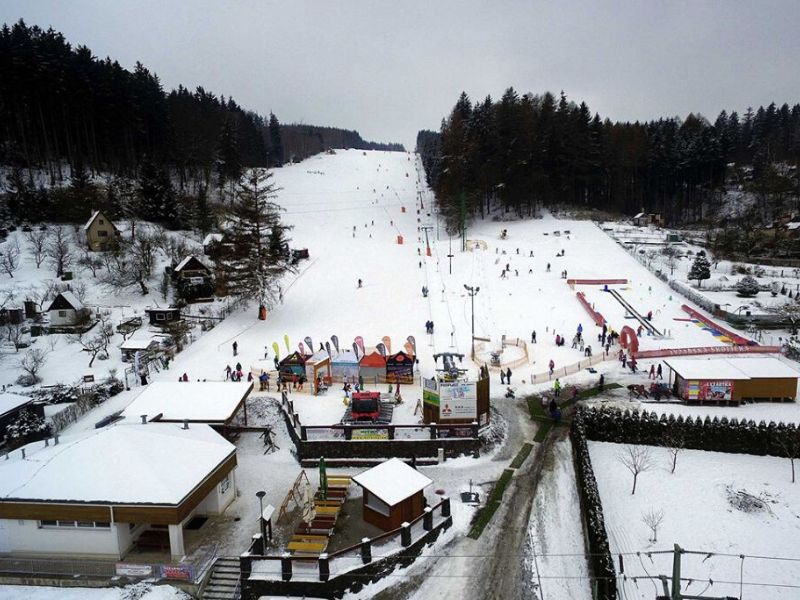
{"x":524,"y":152}
{"x":69,"y":119}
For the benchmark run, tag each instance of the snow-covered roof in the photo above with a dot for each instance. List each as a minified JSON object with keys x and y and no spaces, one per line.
{"x":212,"y":237}
{"x":638,"y":216}
{"x":186,"y":261}
{"x":319,"y":356}
{"x":65,"y":300}
{"x":9,"y":401}
{"x":346,"y":356}
{"x":137,"y":342}
{"x":91,"y":219}
{"x":792,"y":226}
{"x":764,"y":366}
{"x":744,"y":367}
{"x":705,"y":368}
{"x":201,"y":401}
{"x":157,"y":463}
{"x":392,"y":481}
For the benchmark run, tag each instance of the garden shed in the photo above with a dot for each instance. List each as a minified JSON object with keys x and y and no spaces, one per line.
{"x":393,"y":494}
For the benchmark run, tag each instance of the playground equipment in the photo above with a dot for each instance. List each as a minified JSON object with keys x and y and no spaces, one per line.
{"x":626,"y":305}
{"x":718,"y":330}
{"x":596,"y":316}
{"x":628,"y":339}
{"x":365,"y":406}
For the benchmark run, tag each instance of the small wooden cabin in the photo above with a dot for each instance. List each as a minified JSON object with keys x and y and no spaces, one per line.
{"x":163,"y":316}
{"x":66,"y":309}
{"x":393,"y":494}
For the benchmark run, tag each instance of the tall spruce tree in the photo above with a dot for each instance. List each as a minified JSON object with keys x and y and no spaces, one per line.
{"x":255,"y":248}
{"x":701,"y":268}
{"x":156,"y":196}
{"x":275,"y":141}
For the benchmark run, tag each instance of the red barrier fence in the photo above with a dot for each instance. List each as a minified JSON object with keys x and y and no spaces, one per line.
{"x":574,"y":282}
{"x":596,"y":316}
{"x":665,"y":352}
{"x":734,"y":337}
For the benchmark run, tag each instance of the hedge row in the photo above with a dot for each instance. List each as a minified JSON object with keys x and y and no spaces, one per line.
{"x":600,"y":560}
{"x":716,"y":435}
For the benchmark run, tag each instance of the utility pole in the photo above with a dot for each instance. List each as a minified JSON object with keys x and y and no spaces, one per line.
{"x":472,"y":291}
{"x":450,"y":255}
{"x":676,"y":579}
{"x":427,"y":228}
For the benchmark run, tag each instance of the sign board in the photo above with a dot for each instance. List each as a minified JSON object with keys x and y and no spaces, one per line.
{"x":716,"y":390}
{"x":269,"y":510}
{"x":182,"y":572}
{"x":88,"y":379}
{"x":430,"y":392}
{"x":133,"y":570}
{"x":458,"y":400}
{"x":370,"y":434}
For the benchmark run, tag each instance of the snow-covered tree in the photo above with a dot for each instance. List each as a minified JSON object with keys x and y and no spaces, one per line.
{"x":59,"y":250}
{"x":653,"y":519}
{"x":9,"y":257}
{"x":747,"y":287}
{"x":31,"y":363}
{"x":37,"y":242}
{"x":27,"y":427}
{"x":701,"y":268}
{"x":256,"y":250}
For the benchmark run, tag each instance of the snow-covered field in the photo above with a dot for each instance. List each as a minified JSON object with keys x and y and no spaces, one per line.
{"x":348,"y":209}
{"x":132,"y":592}
{"x":701,"y":514}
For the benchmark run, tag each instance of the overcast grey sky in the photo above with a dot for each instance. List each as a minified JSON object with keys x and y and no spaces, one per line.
{"x":390,"y":68}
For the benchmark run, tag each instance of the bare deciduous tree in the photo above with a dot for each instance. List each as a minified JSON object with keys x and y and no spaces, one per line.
{"x":637,"y":460}
{"x":97,"y":343}
{"x":674,"y":442}
{"x":9,"y":257}
{"x":13,"y":332}
{"x":90,"y":260}
{"x":653,"y":519}
{"x":133,"y":265}
{"x":790,"y":444}
{"x":32,"y":362}
{"x":59,"y":251}
{"x":37,"y":242}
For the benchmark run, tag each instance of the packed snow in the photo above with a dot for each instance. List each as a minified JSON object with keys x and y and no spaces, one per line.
{"x":717,"y":504}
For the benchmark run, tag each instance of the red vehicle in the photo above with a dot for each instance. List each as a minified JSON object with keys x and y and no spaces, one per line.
{"x":365,"y":406}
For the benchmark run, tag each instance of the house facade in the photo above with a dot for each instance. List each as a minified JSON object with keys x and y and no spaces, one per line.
{"x":66,"y":310}
{"x":100,"y":492}
{"x":101,"y":233}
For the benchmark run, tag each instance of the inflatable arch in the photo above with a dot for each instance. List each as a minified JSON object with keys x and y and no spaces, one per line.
{"x":628,"y":339}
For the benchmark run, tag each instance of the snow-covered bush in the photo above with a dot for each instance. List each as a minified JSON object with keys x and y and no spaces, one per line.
{"x":747,"y":287}
{"x":27,"y":427}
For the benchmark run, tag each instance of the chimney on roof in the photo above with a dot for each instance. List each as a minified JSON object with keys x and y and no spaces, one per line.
{"x":186,"y":423}
{"x":144,"y":419}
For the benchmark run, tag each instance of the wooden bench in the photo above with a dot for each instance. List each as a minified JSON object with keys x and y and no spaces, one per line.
{"x":328,"y":510}
{"x":329,"y":502}
{"x":309,"y":537}
{"x":307,"y":547}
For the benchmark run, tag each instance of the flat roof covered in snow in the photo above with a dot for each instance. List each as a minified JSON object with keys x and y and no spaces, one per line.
{"x":157,"y":463}
{"x":9,"y":401}
{"x":392,"y":481}
{"x":201,"y":401}
{"x":750,"y":367}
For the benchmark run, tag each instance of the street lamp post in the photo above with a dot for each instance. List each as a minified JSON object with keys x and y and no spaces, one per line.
{"x":262,"y":524}
{"x":472,"y":291}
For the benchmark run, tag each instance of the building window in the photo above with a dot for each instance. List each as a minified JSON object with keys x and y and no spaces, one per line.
{"x":225,"y":484}
{"x":102,"y":233}
{"x":101,"y":221}
{"x":62,"y":313}
{"x":74,"y":524}
{"x":376,"y":504}
{"x":160,"y":316}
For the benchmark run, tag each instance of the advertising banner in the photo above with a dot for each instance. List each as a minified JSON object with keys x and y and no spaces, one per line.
{"x":133,"y":570}
{"x":458,"y":400}
{"x":430,"y":392}
{"x":183,"y":572}
{"x":716,"y":391}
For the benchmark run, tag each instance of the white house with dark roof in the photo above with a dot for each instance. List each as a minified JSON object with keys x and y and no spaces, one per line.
{"x":65,"y":309}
